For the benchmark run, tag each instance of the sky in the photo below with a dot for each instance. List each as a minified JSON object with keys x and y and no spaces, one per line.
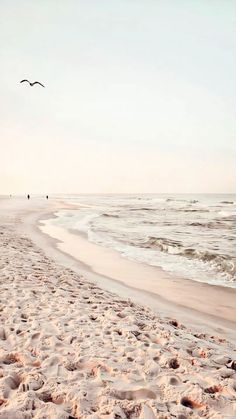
{"x":140,"y":96}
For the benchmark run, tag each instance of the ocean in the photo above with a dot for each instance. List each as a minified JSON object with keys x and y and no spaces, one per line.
{"x":193,"y":236}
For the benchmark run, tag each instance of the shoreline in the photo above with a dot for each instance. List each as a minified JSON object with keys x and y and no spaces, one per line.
{"x":70,"y":349}
{"x":194,"y":302}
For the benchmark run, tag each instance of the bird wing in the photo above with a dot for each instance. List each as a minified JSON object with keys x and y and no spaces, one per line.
{"x":24,"y":80}
{"x":37,"y":82}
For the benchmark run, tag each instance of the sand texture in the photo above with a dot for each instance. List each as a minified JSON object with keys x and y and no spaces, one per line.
{"x":71,"y":350}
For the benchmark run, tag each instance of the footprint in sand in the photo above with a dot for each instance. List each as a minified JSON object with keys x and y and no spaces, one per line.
{"x":174,"y":363}
{"x":2,"y":334}
{"x":191,"y":404}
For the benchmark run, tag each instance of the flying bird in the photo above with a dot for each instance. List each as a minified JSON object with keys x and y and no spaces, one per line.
{"x":32,"y":84}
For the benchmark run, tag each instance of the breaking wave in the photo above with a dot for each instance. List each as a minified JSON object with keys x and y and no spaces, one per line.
{"x":222,"y":263}
{"x":110,"y":215}
{"x":191,"y":201}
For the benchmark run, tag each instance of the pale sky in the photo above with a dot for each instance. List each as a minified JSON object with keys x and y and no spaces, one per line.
{"x":140,"y":96}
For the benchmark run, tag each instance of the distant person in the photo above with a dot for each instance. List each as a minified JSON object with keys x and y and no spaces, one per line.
{"x":28,"y":196}
{"x":46,"y":196}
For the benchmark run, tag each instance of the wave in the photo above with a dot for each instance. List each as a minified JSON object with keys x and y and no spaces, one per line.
{"x":193,"y":210}
{"x":162,"y":244}
{"x":222,"y":263}
{"x":191,"y":201}
{"x":226,"y":216}
{"x":142,"y":209}
{"x":110,"y":215}
{"x":211,"y":224}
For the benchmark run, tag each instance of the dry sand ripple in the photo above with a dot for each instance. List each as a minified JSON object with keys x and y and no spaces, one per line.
{"x":71,"y":350}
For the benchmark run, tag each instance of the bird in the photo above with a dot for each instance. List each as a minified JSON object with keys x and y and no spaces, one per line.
{"x":32,"y":84}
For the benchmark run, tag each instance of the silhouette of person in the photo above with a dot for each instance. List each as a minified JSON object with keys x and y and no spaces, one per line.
{"x":46,"y":196}
{"x":28,"y":196}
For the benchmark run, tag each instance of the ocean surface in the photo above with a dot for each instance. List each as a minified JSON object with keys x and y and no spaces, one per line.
{"x":193,"y":236}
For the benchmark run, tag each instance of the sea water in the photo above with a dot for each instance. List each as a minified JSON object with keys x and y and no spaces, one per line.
{"x":190,"y":235}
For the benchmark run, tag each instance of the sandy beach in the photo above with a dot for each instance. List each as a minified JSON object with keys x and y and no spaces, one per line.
{"x":74,"y":347}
